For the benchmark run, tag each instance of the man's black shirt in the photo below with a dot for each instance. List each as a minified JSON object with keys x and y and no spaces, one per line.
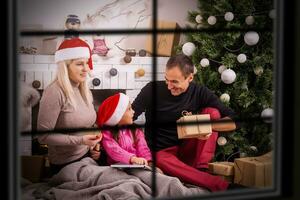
{"x":169,"y":109}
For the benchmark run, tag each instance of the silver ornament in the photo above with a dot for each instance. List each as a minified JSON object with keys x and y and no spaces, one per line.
{"x":198,"y":19}
{"x":221,"y":68}
{"x":251,"y":38}
{"x":228,"y":76}
{"x":258,"y":70}
{"x":241,"y":58}
{"x":267,"y":113}
{"x":204,"y":62}
{"x":228,"y":16}
{"x":211,"y":20}
{"x":225,"y":98}
{"x":249,"y":20}
{"x":188,"y":48}
{"x":221,"y":141}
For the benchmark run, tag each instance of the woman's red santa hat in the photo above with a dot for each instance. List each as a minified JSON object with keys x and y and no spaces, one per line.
{"x":72,"y":49}
{"x":112,"y":109}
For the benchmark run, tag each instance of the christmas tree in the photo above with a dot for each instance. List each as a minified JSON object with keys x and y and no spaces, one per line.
{"x":233,"y":54}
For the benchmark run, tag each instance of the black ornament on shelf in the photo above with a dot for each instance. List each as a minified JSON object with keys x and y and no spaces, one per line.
{"x":130,"y":52}
{"x":96,"y":82}
{"x":36,"y":84}
{"x":142,"y":53}
{"x":127,"y":59}
{"x":113,"y":71}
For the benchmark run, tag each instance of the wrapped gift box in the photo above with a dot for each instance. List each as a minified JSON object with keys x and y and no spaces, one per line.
{"x":254,"y":171}
{"x":193,"y":130}
{"x":221,"y":168}
{"x":166,"y":42}
{"x":225,"y":170}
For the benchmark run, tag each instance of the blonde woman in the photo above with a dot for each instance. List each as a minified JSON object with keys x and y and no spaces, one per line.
{"x":67,"y":104}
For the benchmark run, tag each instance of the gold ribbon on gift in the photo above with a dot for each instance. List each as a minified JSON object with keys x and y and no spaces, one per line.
{"x":188,"y":126}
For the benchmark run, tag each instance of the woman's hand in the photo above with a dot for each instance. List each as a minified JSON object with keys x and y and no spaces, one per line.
{"x":91,"y":140}
{"x":138,"y":160}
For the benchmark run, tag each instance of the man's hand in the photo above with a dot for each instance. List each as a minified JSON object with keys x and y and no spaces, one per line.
{"x":138,"y":160}
{"x":205,"y":137}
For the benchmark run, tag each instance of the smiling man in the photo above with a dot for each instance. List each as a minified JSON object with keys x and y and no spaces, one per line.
{"x":186,"y":158}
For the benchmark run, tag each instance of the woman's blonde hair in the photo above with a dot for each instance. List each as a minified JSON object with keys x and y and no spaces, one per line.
{"x":62,"y":76}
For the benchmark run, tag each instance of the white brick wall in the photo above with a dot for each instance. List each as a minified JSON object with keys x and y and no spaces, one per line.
{"x":43,"y":69}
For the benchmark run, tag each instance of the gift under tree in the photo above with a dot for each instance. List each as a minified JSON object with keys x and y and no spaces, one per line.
{"x":234,"y":58}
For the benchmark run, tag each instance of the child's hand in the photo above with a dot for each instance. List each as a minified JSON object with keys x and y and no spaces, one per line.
{"x":157,"y":169}
{"x":95,"y":154}
{"x":138,"y":160}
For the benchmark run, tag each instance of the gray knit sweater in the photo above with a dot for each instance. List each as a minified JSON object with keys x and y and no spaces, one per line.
{"x":56,"y":113}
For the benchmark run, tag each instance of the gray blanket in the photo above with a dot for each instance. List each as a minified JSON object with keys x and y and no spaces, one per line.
{"x":86,"y":180}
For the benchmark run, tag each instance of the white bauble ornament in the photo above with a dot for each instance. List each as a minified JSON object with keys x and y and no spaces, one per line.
{"x":225,"y":98}
{"x":267,"y":113}
{"x":188,"y":48}
{"x":221,"y":141}
{"x":251,"y":38}
{"x":249,"y":20}
{"x":199,"y":19}
{"x":241,"y":58}
{"x":258,"y":70}
{"x":221,"y":68}
{"x":211,"y":20}
{"x":228,"y":16}
{"x":272,"y":14}
{"x":253,"y":148}
{"x":204,"y":62}
{"x":228,"y":76}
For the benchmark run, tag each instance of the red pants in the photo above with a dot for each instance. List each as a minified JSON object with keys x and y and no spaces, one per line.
{"x":182,"y":161}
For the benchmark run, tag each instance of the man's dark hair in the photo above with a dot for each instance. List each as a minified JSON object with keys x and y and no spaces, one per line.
{"x":184,"y":63}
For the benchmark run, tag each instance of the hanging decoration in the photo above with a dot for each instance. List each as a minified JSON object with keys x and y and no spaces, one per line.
{"x":267,"y":115}
{"x":221,"y":68}
{"x":212,"y":20}
{"x":228,"y":16}
{"x":241,"y":58}
{"x":225,"y":98}
{"x":198,"y":19}
{"x":222,"y":141}
{"x":249,"y":20}
{"x":188,"y":48}
{"x":228,"y":76}
{"x":251,"y":38}
{"x":204,"y":62}
{"x":258,"y":70}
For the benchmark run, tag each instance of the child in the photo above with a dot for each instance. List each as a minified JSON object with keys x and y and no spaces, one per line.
{"x":126,"y":145}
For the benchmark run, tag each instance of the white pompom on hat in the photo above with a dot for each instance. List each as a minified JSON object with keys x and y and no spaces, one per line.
{"x":72,"y":49}
{"x":112,"y":109}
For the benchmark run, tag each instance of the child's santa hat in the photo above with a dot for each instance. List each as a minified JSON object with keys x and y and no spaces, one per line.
{"x":112,"y":109}
{"x":72,"y":49}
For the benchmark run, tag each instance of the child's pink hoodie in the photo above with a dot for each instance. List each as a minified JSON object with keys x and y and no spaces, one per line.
{"x":125,"y":148}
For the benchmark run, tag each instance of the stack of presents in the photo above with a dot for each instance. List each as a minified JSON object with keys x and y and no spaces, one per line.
{"x":252,"y":172}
